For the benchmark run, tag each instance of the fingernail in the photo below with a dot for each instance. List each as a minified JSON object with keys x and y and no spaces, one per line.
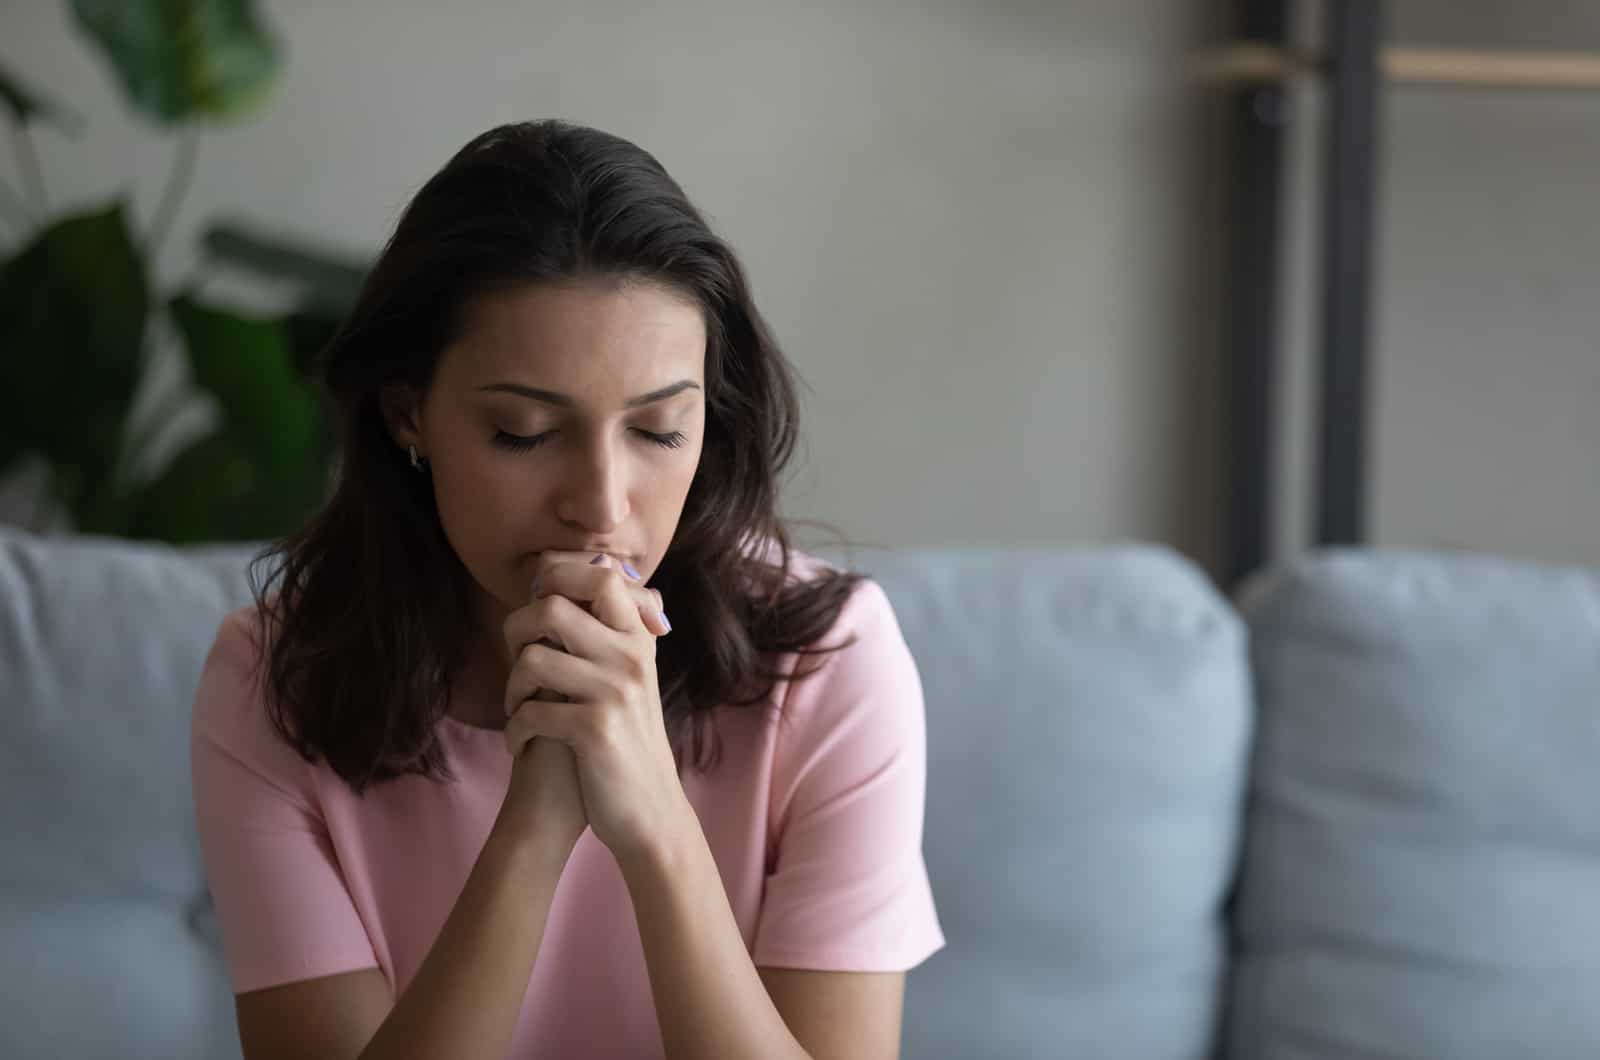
{"x":627,"y":568}
{"x":664,"y":622}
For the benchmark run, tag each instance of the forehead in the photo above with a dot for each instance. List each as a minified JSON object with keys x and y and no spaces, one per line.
{"x":631,"y":331}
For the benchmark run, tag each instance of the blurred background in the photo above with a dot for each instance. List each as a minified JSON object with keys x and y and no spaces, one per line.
{"x":999,"y":239}
{"x":1241,"y":279}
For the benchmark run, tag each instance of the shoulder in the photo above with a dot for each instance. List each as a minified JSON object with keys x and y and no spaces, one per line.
{"x":865,"y":613}
{"x":851,"y":722}
{"x":867,"y":600}
{"x":862,"y":664}
{"x":234,"y":662}
{"x":230,"y":712}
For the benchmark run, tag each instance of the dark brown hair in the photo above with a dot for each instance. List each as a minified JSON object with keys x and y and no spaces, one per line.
{"x":369,"y":626}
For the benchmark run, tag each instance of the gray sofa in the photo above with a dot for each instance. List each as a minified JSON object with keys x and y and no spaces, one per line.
{"x":1355,"y":816}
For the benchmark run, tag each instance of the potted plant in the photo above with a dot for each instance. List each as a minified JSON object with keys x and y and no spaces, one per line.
{"x":79,"y":315}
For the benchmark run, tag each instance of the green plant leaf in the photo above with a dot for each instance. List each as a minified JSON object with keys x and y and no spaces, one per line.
{"x":196,"y":498}
{"x":73,"y":305}
{"x":12,"y":446}
{"x":212,"y":492}
{"x":269,"y":416}
{"x":26,"y":104}
{"x":178,"y":60}
{"x":310,"y":331}
{"x":329,"y":281}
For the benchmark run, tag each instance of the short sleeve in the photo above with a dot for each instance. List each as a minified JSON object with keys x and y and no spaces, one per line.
{"x":848,"y":888}
{"x":284,"y":911}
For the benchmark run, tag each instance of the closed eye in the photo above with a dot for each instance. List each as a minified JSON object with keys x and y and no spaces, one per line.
{"x":522,"y":443}
{"x":671,"y":440}
{"x":517,"y":441}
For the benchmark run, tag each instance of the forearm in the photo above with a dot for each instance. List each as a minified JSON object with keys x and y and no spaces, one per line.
{"x":467,"y":995}
{"x":709,"y":999}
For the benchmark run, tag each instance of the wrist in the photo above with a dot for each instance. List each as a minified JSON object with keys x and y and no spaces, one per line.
{"x":667,"y":848}
{"x":532,"y":845}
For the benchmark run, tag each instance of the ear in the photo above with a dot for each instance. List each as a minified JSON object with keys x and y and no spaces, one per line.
{"x":399,"y":404}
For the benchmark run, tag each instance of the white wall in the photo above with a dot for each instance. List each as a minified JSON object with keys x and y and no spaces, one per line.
{"x":967,"y":221}
{"x":980,"y":229}
{"x":1486,"y":303}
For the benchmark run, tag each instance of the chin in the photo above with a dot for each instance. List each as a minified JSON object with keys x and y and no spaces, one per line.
{"x":505,"y":587}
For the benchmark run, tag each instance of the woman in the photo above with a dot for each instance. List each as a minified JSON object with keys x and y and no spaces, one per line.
{"x":463,"y":788}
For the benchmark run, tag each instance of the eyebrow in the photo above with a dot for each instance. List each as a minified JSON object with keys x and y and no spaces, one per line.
{"x":550,"y":397}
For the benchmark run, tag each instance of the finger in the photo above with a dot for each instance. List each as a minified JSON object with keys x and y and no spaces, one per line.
{"x":541,"y":670}
{"x":585,"y":557}
{"x":652,"y":612}
{"x":548,"y":754}
{"x":518,"y":733}
{"x":558,"y":619}
{"x":612,"y":603}
{"x":520,"y":730}
{"x":597,"y":584}
{"x":568,"y":626}
{"x":574,"y":724}
{"x":650,"y":605}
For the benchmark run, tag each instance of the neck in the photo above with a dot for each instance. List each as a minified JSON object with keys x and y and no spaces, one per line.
{"x":478,"y":694}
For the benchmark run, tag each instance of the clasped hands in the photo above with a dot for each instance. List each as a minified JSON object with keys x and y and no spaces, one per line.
{"x":583,"y":704}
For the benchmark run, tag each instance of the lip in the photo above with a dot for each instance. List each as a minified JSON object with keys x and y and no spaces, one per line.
{"x":622,"y":557}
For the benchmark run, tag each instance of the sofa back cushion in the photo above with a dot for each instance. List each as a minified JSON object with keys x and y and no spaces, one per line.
{"x":1088,"y":728}
{"x":1422,"y":864}
{"x":110,"y":946}
{"x":1088,"y":732}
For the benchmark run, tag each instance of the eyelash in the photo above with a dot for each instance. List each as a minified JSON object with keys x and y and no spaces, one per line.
{"x":517,"y":442}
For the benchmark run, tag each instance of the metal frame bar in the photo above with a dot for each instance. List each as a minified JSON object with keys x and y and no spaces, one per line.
{"x":1354,"y":31}
{"x":1454,"y":67}
{"x":1256,"y":116}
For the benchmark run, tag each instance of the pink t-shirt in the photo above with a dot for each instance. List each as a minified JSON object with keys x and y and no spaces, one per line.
{"x":816,"y":826}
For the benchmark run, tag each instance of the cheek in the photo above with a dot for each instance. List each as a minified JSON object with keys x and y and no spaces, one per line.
{"x":673,"y":488}
{"x":487,"y":492}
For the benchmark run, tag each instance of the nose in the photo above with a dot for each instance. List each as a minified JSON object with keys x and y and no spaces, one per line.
{"x":595,"y":492}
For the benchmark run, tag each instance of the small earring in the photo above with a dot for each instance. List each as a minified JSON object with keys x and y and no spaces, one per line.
{"x":414,"y":461}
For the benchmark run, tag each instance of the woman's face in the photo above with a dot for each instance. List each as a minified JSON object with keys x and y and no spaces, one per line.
{"x":566,"y":417}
